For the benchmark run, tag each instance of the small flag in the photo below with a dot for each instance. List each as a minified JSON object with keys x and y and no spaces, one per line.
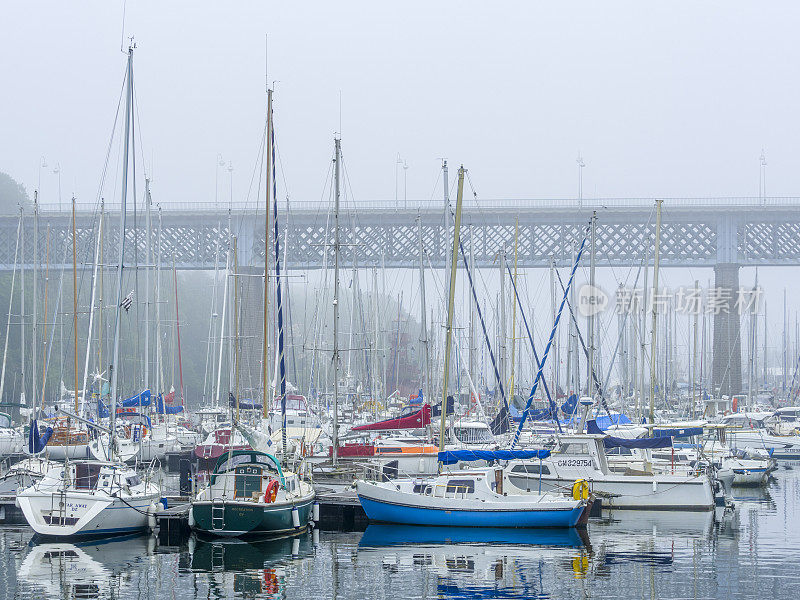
{"x":127,"y":301}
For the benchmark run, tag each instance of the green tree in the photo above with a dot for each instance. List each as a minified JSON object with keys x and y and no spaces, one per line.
{"x":12,"y":194}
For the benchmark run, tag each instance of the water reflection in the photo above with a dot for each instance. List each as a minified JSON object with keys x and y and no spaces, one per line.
{"x":91,"y":569}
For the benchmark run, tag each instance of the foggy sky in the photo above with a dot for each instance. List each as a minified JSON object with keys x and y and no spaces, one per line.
{"x":661,"y":99}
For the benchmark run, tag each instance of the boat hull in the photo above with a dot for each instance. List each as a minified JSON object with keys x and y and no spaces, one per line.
{"x":388,"y":512}
{"x":242,"y":518}
{"x":668,"y":493}
{"x":85,"y":514}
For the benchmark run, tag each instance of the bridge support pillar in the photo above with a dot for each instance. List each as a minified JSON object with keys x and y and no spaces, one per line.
{"x":726,"y":368}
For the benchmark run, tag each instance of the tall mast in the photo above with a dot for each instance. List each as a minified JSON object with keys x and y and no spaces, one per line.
{"x":22,"y":304}
{"x":450,"y":306}
{"x":147,"y":203}
{"x":178,"y":330}
{"x":121,"y":254}
{"x":337,"y":159}
{"x":693,"y":381}
{"x":472,"y":352}
{"x":423,"y":336}
{"x":514,"y":311}
{"x":75,"y":303}
{"x":159,"y":361}
{"x":654,"y":315}
{"x":223,"y":319}
{"x":502,"y":358}
{"x":91,"y":319}
{"x":591,"y":334}
{"x":35,"y":299}
{"x":268,"y":149}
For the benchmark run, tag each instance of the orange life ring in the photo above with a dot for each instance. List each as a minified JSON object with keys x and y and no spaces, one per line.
{"x":271,"y":492}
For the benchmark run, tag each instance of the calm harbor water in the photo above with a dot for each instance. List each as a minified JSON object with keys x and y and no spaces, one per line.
{"x":752,"y":553}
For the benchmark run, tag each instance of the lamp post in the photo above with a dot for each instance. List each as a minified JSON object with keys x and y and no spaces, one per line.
{"x":762,"y":178}
{"x":581,"y":164}
{"x":42,"y":165}
{"x":57,"y":171}
{"x":220,"y":163}
{"x":398,"y":162}
{"x":230,"y":172}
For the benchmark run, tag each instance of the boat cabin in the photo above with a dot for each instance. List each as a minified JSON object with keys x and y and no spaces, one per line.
{"x":247,"y":475}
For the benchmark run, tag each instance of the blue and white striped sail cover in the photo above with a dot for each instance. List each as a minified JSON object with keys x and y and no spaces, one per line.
{"x":450,"y":457}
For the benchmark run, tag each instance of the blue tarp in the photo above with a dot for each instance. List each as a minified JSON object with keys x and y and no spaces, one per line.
{"x":569,"y":406}
{"x":450,"y":457}
{"x":678,"y":432}
{"x":244,"y":404}
{"x":615,"y":442}
{"x":141,"y":399}
{"x":166,"y":410}
{"x":37,"y":443}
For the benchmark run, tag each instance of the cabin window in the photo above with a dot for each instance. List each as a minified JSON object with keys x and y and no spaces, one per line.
{"x":248,"y":481}
{"x":134,"y":480}
{"x":86,"y":475}
{"x":532,"y":469}
{"x":574,"y":448}
{"x":460,"y":486}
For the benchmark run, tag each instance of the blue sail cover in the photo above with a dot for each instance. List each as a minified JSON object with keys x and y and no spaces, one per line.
{"x":166,"y":410}
{"x":102,"y":409}
{"x":659,"y":442}
{"x":37,"y":443}
{"x":244,"y":404}
{"x":450,"y":457}
{"x":677,"y":432}
{"x":140,"y":399}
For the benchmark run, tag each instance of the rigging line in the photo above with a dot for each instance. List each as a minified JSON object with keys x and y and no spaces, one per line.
{"x":585,"y":349}
{"x":483,"y":327}
{"x":553,"y":407}
{"x":550,"y":341}
{"x":104,"y":172}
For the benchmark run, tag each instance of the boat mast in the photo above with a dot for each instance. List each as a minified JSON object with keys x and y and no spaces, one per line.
{"x":264,"y":354}
{"x":693,"y":381}
{"x":450,"y":306}
{"x":91,"y":320}
{"x":22,"y":304}
{"x":337,"y":143}
{"x":75,"y":305}
{"x":114,"y":367}
{"x":224,"y":316}
{"x":159,"y":361}
{"x":147,"y":202}
{"x":423,"y":336}
{"x":654,"y":315}
{"x":591,"y":334}
{"x":35,"y":299}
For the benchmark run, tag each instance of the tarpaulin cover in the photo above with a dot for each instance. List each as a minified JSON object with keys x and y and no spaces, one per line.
{"x":678,"y":432}
{"x":37,"y":443}
{"x":450,"y":457}
{"x":141,"y":399}
{"x":436,"y":410}
{"x":500,"y":424}
{"x":162,"y":408}
{"x":244,"y":404}
{"x":415,"y":420}
{"x":659,"y":442}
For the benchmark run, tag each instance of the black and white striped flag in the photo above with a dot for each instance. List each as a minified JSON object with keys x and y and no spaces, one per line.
{"x":127,"y":301}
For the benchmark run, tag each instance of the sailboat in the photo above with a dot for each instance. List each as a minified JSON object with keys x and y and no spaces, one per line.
{"x":249,"y":491}
{"x":478,"y":497}
{"x":105,"y":497}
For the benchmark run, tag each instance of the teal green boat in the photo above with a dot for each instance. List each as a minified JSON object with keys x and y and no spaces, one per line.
{"x":250,"y":494}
